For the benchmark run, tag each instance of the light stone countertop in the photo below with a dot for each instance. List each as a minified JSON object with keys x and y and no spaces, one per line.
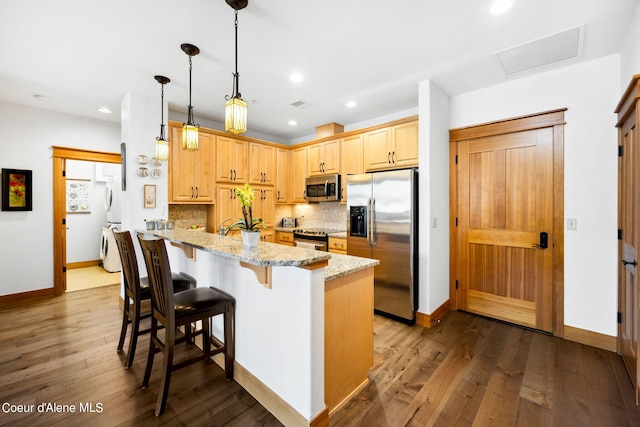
{"x":265,"y":254}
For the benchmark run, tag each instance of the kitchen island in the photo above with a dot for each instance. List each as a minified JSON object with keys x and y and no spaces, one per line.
{"x":304,"y":319}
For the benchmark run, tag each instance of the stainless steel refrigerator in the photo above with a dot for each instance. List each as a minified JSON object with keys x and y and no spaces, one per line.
{"x":382,"y":223}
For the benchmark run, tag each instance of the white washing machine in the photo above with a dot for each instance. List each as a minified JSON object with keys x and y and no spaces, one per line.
{"x":108,"y":248}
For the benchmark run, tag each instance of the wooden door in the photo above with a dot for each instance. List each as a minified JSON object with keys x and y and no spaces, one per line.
{"x":628,"y":295}
{"x":504,"y":200}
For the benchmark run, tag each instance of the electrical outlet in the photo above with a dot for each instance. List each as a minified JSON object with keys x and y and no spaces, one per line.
{"x":572,"y":224}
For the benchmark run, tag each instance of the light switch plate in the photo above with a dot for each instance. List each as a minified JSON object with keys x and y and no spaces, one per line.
{"x":572,"y":223}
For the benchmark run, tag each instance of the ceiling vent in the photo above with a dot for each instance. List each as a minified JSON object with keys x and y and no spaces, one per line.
{"x":298,"y":103}
{"x":547,"y":50}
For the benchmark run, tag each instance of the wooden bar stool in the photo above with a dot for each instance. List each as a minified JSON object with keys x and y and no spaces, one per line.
{"x":183,"y":308}
{"x":136,"y":290}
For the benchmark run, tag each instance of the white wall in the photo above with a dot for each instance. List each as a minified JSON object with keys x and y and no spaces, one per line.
{"x":590,"y":91}
{"x":84,"y":230}
{"x":630,"y":53}
{"x":26,"y":248}
{"x":434,"y":198}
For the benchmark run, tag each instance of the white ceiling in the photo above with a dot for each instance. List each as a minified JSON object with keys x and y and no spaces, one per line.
{"x":83,"y":54}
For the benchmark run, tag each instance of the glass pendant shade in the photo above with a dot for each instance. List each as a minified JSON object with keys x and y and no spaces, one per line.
{"x":235,"y":118}
{"x":190,"y":137}
{"x":190,"y":129}
{"x":162,"y":149}
{"x":162,"y":142}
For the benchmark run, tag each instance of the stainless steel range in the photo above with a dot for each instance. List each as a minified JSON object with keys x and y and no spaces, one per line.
{"x":311,"y":239}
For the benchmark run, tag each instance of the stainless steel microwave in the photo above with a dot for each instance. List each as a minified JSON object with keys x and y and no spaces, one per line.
{"x":325,"y":188}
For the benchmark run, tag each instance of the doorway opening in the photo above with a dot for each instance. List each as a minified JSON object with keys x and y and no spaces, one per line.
{"x":60,"y":157}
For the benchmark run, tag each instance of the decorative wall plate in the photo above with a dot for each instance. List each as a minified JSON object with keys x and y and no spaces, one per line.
{"x":141,"y":159}
{"x":143,"y":172}
{"x":156,"y":173}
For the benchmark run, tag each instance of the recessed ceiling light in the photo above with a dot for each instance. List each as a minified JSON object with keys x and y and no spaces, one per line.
{"x":296,"y":77}
{"x":293,"y":123}
{"x":351,"y":104}
{"x":500,"y":6}
{"x":104,"y":110}
{"x":42,"y":98}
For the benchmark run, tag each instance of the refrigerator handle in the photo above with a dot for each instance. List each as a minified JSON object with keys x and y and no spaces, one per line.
{"x":369,"y":237}
{"x":374,"y":231}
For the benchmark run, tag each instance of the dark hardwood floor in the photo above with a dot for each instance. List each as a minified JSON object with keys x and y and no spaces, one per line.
{"x":466,"y":371}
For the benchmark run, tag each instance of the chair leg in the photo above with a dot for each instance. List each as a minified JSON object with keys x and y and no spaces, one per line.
{"x":152,"y":352}
{"x":125,"y":323}
{"x":229,"y":341}
{"x":167,"y":365}
{"x":135,"y":329}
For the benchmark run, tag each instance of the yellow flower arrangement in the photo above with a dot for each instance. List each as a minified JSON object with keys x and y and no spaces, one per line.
{"x":247,"y":222}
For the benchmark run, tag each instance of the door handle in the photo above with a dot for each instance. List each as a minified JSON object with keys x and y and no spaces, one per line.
{"x":544,"y":241}
{"x":633,"y":263}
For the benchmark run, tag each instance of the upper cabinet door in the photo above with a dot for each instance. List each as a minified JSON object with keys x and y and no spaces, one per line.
{"x":232,"y":160}
{"x":262,"y":164}
{"x":405,"y":145}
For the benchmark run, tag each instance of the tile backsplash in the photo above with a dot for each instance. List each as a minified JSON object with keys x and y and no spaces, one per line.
{"x":187,"y":215}
{"x":329,"y":215}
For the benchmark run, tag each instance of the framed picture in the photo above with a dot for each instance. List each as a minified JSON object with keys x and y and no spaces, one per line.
{"x":149,"y":196}
{"x":78,"y":196}
{"x":16,"y":190}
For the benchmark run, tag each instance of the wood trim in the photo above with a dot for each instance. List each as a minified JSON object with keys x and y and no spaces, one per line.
{"x":86,"y":155}
{"x":627,"y":102}
{"x":25,"y":297}
{"x":515,"y":124}
{"x":594,"y":339}
{"x":554,"y":119}
{"x":60,"y":156}
{"x":558,"y":231}
{"x":273,"y":403}
{"x":321,"y":419}
{"x":59,"y":229}
{"x":83,"y":264}
{"x":453,"y":218}
{"x":303,"y":144}
{"x":315,"y":265}
{"x":430,"y":320}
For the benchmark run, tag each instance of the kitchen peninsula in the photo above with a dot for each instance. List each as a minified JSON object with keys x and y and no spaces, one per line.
{"x":304,"y":319}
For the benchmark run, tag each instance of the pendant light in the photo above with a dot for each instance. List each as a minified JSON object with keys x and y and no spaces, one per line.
{"x":162,"y":142}
{"x":235,"y":117}
{"x":190,"y":129}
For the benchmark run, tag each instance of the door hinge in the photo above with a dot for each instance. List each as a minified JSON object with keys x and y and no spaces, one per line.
{"x":619,"y":233}
{"x":619,"y":317}
{"x":64,"y":221}
{"x":456,"y":221}
{"x":456,"y":159}
{"x":620,"y":151}
{"x":64,"y":269}
{"x":64,"y":173}
{"x":456,"y":285}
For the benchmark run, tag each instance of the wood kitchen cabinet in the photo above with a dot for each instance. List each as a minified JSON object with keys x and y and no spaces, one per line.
{"x":191,"y":173}
{"x":323,"y":158}
{"x":262,"y":164}
{"x":283,"y":163}
{"x":338,"y":245}
{"x":264,"y":205}
{"x":227,"y":205}
{"x":232,"y":160}
{"x":391,"y":147}
{"x":298,"y":174}
{"x":268,"y":235}
{"x":284,"y":238}
{"x":352,"y":160}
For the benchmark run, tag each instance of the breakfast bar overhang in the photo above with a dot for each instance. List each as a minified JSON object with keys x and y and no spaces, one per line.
{"x":304,"y":319}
